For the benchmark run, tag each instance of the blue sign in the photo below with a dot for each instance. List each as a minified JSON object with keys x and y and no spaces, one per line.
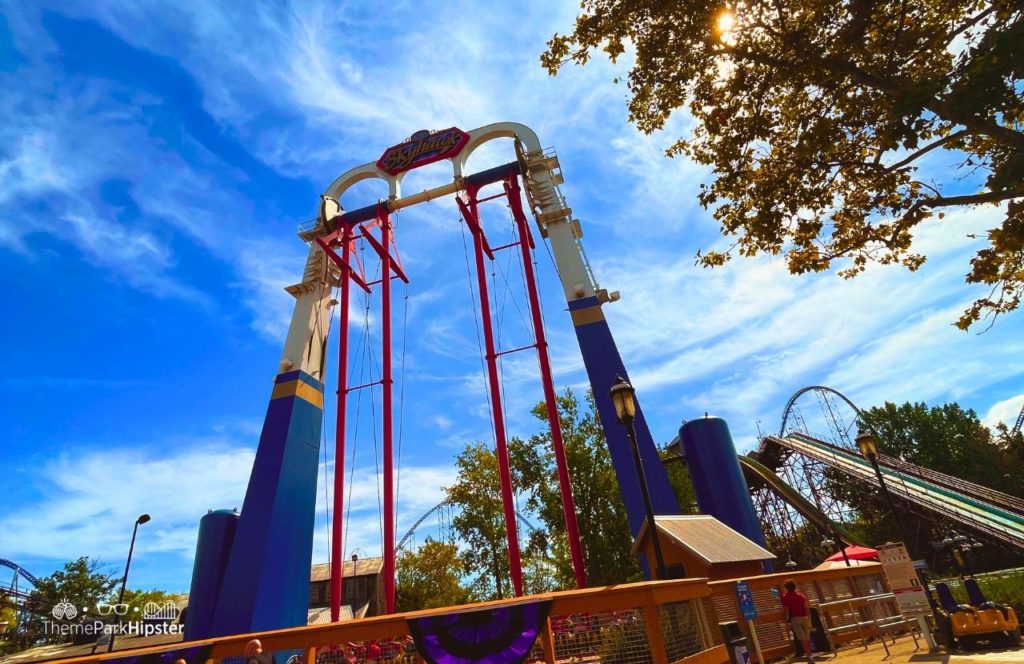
{"x":746,"y":599}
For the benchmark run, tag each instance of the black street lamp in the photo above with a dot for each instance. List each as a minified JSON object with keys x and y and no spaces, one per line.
{"x":829,"y":544}
{"x":624,"y":398}
{"x":143,"y":518}
{"x":869,"y":450}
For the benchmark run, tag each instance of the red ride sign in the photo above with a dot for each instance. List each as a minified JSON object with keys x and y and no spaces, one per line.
{"x":422,"y":149}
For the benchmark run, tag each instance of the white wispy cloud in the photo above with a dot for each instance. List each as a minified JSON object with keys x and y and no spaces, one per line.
{"x":1005,"y":412}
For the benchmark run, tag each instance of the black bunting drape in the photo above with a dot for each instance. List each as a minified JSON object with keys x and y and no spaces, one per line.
{"x":504,"y":635}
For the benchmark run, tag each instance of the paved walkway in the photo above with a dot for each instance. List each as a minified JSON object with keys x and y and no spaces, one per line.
{"x":902,"y":652}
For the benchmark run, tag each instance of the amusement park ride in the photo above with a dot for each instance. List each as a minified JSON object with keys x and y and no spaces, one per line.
{"x":234,"y":549}
{"x":252,"y":569}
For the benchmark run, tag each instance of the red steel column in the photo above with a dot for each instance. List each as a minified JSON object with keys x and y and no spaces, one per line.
{"x":337,"y":554}
{"x":565,"y":486}
{"x":386,"y":384}
{"x":504,"y":472}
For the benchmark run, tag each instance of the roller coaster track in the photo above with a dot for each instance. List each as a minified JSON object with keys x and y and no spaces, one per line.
{"x":997,"y":516}
{"x":756,"y":473}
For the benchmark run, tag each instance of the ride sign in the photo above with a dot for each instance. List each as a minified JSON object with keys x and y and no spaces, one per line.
{"x":746,"y":600}
{"x":424,"y":147}
{"x":903,"y":580}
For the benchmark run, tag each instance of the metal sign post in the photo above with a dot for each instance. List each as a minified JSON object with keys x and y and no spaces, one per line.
{"x":746,"y":600}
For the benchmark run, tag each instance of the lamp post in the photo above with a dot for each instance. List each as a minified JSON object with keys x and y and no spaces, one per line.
{"x":624,"y":398}
{"x":869,"y":450}
{"x":143,"y":518}
{"x":828,"y":544}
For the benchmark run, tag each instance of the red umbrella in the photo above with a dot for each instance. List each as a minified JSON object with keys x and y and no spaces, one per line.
{"x":856,"y":553}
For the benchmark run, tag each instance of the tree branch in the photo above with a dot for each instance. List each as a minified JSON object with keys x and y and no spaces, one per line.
{"x":926,"y":149}
{"x":894,"y":88}
{"x":970,"y":199}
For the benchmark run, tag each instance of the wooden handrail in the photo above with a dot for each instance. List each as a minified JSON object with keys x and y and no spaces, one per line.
{"x":587,"y":600}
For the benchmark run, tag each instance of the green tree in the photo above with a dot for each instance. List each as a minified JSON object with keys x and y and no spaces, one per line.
{"x":945,"y":438}
{"x":8,"y":614}
{"x":82,"y":582}
{"x":479,"y":518}
{"x":816,"y":118}
{"x":601,"y":516}
{"x":430,"y":577}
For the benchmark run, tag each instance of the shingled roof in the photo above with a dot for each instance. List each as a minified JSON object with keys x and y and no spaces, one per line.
{"x":707,"y":538}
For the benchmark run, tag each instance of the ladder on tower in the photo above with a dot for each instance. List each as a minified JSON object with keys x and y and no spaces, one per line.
{"x":1020,"y":421}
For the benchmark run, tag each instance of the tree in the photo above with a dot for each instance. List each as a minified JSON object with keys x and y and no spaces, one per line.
{"x":601,"y":516}
{"x":816,"y":117}
{"x":430,"y":577}
{"x":479,"y":519}
{"x":82,"y":583}
{"x":8,"y":614}
{"x":945,"y":438}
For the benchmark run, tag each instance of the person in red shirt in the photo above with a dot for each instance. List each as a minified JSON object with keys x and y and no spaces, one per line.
{"x":798,"y":615}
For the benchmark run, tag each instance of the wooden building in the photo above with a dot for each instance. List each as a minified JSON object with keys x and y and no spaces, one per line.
{"x":362,"y":586}
{"x":702,"y":546}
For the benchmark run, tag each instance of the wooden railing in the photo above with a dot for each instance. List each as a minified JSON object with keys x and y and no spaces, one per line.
{"x":818,"y":585}
{"x":656,"y":622}
{"x":662,"y":622}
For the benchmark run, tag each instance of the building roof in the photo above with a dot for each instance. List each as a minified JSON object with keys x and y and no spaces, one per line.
{"x":707,"y":538}
{"x":322,"y":616}
{"x":361,"y":567}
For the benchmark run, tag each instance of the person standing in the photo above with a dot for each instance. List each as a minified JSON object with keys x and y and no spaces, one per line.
{"x":798,"y":615}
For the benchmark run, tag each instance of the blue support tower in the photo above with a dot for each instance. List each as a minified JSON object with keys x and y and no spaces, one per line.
{"x":603,"y":362}
{"x":266,"y":582}
{"x":717,"y":477}
{"x":216,"y":534}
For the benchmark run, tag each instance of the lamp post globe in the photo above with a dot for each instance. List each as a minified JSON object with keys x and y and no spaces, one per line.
{"x":867,"y":445}
{"x":624,"y":399}
{"x":828,"y":544}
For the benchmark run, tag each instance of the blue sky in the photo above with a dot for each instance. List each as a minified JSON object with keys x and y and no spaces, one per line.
{"x":155,"y":161}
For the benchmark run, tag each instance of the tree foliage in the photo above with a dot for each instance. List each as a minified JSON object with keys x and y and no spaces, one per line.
{"x":479,"y":520}
{"x":817,"y":116}
{"x":429,"y":577}
{"x":8,"y":614}
{"x":601,"y":516}
{"x":82,"y":582}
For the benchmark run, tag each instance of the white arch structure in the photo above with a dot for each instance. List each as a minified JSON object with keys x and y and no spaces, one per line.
{"x":305,"y":347}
